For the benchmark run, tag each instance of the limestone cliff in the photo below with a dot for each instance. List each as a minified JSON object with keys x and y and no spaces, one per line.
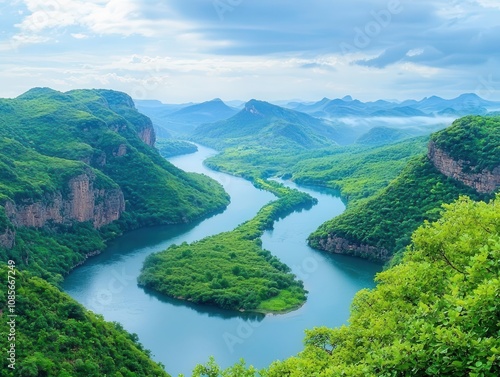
{"x":123,"y":104}
{"x":148,"y":136}
{"x":82,"y":202}
{"x":483,"y":182}
{"x":7,"y":239}
{"x":338,"y":245}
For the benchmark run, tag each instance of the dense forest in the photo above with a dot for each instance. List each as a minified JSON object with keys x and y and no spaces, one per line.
{"x":387,"y":220}
{"x":231,"y":270}
{"x":390,"y":189}
{"x":434,"y":314}
{"x":78,"y":169}
{"x":51,"y":140}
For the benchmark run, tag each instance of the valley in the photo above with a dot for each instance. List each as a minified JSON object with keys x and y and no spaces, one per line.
{"x":200,"y":331}
{"x":234,"y":188}
{"x":311,"y":210}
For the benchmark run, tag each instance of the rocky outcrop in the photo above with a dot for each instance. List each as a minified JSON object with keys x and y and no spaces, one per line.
{"x":338,"y":245}
{"x":148,"y":136}
{"x":83,"y":203}
{"x":7,"y":239}
{"x":483,"y":182}
{"x":122,"y":150}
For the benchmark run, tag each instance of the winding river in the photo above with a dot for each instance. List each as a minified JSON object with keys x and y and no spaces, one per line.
{"x":181,"y":335}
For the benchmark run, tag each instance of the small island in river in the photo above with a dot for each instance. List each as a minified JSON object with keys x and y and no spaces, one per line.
{"x":231,"y":270}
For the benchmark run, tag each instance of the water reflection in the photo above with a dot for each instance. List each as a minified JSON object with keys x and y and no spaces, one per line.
{"x":207,"y":310}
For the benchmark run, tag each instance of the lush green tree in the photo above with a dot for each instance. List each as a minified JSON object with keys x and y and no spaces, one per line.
{"x":434,"y":314}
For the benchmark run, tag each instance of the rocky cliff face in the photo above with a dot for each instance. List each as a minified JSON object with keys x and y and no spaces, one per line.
{"x":338,"y":245}
{"x":83,"y":203}
{"x":7,"y":239}
{"x":483,"y":182}
{"x":148,"y":136}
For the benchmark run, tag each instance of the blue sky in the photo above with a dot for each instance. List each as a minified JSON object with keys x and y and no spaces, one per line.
{"x":195,"y":50}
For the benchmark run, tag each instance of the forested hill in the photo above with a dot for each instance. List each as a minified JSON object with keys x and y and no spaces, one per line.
{"x":263,"y":124}
{"x":78,"y":168}
{"x":434,"y":314}
{"x":463,"y":159}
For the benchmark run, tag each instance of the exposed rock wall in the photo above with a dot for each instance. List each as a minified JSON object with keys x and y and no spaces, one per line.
{"x":7,"y":239}
{"x":338,"y":245}
{"x":483,"y":182}
{"x":147,"y":135}
{"x":83,"y":203}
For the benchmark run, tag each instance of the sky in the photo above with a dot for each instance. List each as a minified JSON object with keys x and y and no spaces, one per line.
{"x":181,"y":51}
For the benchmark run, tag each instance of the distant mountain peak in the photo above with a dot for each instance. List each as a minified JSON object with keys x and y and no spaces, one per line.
{"x":347,"y":98}
{"x":256,"y":107}
{"x":469,"y":96}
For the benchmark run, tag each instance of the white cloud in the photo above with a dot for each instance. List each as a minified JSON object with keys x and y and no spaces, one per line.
{"x":100,"y":17}
{"x":489,"y":3}
{"x":415,"y":52}
{"x":79,"y":36}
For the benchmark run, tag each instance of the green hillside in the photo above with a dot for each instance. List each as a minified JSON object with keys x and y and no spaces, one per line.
{"x":357,"y":172}
{"x":434,"y":314}
{"x":473,"y":139}
{"x":171,"y":147}
{"x":387,"y":220}
{"x":48,"y":138}
{"x":56,"y":336}
{"x":263,"y":124}
{"x":383,"y":135}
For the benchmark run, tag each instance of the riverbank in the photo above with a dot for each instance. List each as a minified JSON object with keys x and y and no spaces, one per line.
{"x":180,"y":334}
{"x":230,"y":270}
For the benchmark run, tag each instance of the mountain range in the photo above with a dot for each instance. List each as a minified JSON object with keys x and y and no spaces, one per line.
{"x":465,"y":104}
{"x":272,"y":126}
{"x":181,"y":120}
{"x":310,"y":125}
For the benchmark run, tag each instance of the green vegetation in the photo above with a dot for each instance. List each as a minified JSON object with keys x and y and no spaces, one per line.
{"x":388,"y":219}
{"x":48,"y":138}
{"x":474,"y":140}
{"x":171,"y":147}
{"x":357,"y":172}
{"x":56,"y":336}
{"x":231,"y":270}
{"x":434,"y":314}
{"x":270,"y":126}
{"x":382,"y":136}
